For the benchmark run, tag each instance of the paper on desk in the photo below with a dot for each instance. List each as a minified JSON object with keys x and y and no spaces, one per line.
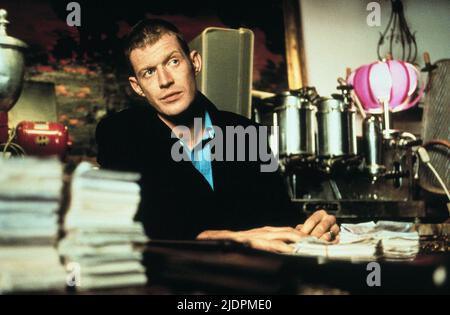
{"x":30,"y":268}
{"x":100,"y":228}
{"x":30,"y":191}
{"x":31,"y":178}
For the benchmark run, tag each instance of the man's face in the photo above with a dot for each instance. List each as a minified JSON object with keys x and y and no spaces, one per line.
{"x":164,"y":75}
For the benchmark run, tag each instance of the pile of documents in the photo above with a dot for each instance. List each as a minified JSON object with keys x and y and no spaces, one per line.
{"x":366,"y":242}
{"x":99,"y":248}
{"x":30,"y":197}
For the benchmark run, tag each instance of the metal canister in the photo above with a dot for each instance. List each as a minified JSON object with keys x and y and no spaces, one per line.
{"x":373,"y":144}
{"x":12,"y":66}
{"x":335,"y":128}
{"x":12,"y":69}
{"x":295,"y":117}
{"x":349,"y":118}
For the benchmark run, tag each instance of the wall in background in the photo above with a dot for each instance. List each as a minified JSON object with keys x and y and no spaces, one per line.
{"x":337,"y":36}
{"x":82,"y":97}
{"x":85,"y":63}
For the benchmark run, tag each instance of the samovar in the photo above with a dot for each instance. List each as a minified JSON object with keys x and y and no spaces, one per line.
{"x":12,"y":69}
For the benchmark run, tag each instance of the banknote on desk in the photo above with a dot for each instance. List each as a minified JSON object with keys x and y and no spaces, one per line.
{"x":366,"y":242}
{"x":359,"y":250}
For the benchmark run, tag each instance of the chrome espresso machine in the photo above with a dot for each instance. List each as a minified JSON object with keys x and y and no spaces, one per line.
{"x":326,"y":166}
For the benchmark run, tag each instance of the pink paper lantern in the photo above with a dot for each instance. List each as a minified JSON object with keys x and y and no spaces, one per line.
{"x":397,"y":79}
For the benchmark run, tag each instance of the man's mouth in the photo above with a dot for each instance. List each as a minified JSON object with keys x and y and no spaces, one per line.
{"x":171,"y":97}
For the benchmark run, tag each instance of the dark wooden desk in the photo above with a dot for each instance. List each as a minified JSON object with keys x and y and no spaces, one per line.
{"x":224,"y":267}
{"x":229,"y":268}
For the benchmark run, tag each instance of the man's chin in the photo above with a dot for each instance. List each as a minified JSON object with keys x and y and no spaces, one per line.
{"x":173,"y":111}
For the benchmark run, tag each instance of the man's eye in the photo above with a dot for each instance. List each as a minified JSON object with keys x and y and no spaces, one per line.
{"x":174,"y":62}
{"x":149,"y":72}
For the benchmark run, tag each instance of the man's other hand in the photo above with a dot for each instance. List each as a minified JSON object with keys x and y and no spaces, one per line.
{"x":278,"y":239}
{"x":269,"y":238}
{"x":319,"y":224}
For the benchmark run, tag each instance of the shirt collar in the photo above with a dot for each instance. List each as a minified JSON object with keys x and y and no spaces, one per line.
{"x":208,"y":132}
{"x":209,"y":129}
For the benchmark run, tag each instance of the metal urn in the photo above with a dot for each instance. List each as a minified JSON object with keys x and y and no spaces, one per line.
{"x":12,"y":68}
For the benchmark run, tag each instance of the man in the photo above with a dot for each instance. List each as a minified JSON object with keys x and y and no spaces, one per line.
{"x":194,"y":197}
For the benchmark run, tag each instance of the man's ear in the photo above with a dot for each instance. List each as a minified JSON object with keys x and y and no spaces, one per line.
{"x":196,"y":60}
{"x":135,"y":85}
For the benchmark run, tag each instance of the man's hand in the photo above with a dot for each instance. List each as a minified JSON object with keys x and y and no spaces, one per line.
{"x":274,"y":239}
{"x":319,"y":224}
{"x":277,"y":239}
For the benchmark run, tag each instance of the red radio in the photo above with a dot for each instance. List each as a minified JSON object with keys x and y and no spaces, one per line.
{"x":43,"y":138}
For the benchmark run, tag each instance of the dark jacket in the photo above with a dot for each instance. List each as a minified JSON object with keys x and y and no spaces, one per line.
{"x":177,"y":202}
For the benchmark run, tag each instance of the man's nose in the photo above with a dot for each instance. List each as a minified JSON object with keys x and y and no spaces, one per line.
{"x":165,"y":79}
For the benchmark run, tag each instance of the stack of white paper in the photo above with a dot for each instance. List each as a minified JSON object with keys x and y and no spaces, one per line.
{"x":30,"y":269}
{"x":30,"y":195}
{"x":365,"y":242}
{"x":100,"y":230}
